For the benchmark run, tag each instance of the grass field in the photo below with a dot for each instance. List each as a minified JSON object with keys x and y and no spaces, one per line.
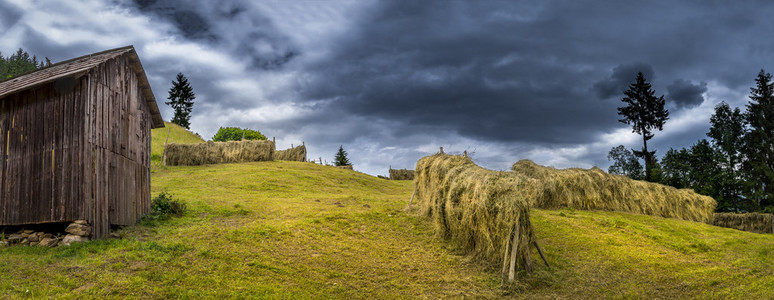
{"x":291,"y":230}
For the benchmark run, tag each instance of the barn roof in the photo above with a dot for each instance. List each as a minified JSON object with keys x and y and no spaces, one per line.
{"x":80,"y":65}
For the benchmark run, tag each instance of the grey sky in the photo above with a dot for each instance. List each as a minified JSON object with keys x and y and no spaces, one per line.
{"x":392,"y":81}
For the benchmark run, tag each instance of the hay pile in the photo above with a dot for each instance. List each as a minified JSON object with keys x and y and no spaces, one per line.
{"x":218,"y":152}
{"x":401,"y":174}
{"x":596,"y":190}
{"x":297,"y":153}
{"x":485,"y":212}
{"x":752,"y":222}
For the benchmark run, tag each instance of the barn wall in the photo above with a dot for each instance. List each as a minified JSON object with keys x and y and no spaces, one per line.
{"x":118,"y":134}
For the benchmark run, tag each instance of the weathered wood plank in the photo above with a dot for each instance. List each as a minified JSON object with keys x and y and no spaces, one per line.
{"x":3,"y":156}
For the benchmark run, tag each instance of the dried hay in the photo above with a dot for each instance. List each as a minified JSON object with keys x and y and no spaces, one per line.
{"x":752,"y":222}
{"x":297,"y":153}
{"x":219,"y":152}
{"x":347,"y":167}
{"x":484,"y":212}
{"x":401,"y":174}
{"x":596,"y":190}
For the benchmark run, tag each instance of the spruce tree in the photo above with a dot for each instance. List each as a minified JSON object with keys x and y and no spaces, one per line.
{"x":19,"y":63}
{"x":675,"y":168}
{"x":645,"y":113}
{"x":727,"y":134}
{"x":341,"y":158}
{"x":703,"y":163}
{"x":181,"y":97}
{"x":758,"y":149}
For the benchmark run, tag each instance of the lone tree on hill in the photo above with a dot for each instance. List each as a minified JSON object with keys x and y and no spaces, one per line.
{"x":341,"y":158}
{"x":181,"y":97}
{"x":758,"y":141}
{"x":644,"y":112}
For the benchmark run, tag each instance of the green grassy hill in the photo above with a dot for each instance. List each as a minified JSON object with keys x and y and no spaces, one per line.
{"x":176,"y":134}
{"x":299,"y":230}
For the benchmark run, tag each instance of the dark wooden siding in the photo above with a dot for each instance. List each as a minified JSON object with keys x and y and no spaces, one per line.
{"x":40,"y":167}
{"x":77,"y":148}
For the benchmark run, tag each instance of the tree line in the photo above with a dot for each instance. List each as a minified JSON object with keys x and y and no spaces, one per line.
{"x":19,"y":63}
{"x":734,"y":164}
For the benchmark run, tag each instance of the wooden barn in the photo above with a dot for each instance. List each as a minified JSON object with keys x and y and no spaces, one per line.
{"x":75,"y":142}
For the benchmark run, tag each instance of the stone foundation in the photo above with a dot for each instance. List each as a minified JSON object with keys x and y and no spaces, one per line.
{"x":77,"y":232}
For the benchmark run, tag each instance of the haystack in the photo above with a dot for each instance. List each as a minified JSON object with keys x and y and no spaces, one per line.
{"x":401,"y":174}
{"x":484,"y":212}
{"x":219,"y":152}
{"x":596,"y":190}
{"x":297,"y":153}
{"x":752,"y":222}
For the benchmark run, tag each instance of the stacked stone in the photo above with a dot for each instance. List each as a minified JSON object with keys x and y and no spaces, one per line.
{"x":78,"y":231}
{"x":32,"y":238}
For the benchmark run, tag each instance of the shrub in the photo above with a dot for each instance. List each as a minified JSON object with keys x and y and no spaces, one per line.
{"x":163,"y":207}
{"x":236,"y":134}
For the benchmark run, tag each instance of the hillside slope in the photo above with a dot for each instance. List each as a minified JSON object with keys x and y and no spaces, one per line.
{"x":176,"y":133}
{"x":293,"y":230}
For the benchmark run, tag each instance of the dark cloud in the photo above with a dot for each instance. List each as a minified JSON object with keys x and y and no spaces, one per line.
{"x":684,"y":94}
{"x":9,"y":15}
{"x":480,"y":74}
{"x":622,"y":77}
{"x":393,"y":80}
{"x":227,"y":25}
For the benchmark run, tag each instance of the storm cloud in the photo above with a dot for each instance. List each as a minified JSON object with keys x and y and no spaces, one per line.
{"x":683,"y":93}
{"x":392,"y":81}
{"x":622,"y":77}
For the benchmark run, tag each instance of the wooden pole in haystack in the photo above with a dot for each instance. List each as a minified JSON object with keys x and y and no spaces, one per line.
{"x":514,"y":250}
{"x":412,"y":197}
{"x":164,"y":151}
{"x":505,"y":260}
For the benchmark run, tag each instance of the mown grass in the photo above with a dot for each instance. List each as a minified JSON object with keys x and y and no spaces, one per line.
{"x":291,"y":230}
{"x":620,"y":255}
{"x":259,"y":230}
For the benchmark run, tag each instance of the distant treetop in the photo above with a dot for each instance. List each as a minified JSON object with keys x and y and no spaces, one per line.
{"x":237,"y":134}
{"x":20,"y":63}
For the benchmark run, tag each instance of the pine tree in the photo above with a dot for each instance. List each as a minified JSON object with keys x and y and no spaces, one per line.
{"x":703,"y":163}
{"x":758,"y":150}
{"x":181,"y":97}
{"x":727,"y":134}
{"x":675,"y":168}
{"x":645,"y":113}
{"x":19,"y":63}
{"x":341,"y":158}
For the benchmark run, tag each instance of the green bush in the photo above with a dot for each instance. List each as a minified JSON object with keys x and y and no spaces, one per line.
{"x":163,"y":207}
{"x":236,"y":134}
